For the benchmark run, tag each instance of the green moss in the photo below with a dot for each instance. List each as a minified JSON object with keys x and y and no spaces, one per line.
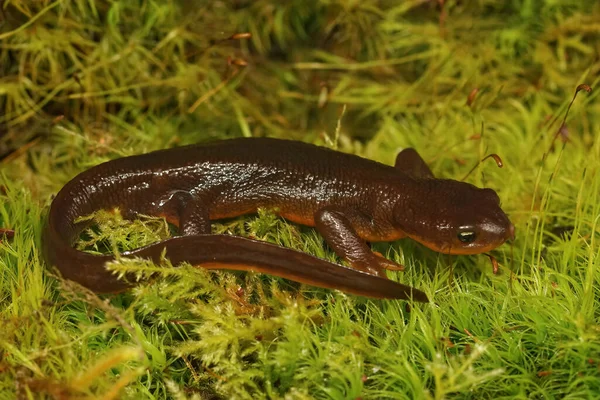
{"x":82,"y":82}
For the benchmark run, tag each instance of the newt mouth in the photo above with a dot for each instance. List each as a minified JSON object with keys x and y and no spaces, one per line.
{"x":467,"y":250}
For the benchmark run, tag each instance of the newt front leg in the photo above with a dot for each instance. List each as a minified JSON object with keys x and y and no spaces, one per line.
{"x":411,"y":163}
{"x":338,"y":226}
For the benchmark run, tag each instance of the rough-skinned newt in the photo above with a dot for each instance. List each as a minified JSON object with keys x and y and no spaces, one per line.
{"x":348,"y":199}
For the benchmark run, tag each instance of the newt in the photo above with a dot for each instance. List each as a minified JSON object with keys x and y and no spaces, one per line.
{"x":349,"y":200}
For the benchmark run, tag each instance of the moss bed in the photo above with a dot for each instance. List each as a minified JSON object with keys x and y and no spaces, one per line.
{"x":85,"y":81}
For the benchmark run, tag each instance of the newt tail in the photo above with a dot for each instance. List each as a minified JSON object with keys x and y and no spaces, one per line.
{"x":226,"y":252}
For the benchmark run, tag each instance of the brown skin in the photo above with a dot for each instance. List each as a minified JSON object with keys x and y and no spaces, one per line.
{"x":350,"y":200}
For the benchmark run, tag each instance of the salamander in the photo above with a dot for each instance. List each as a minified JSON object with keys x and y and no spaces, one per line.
{"x":349,"y":200}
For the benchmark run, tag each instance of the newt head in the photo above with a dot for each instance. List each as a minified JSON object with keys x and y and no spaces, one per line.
{"x":455,"y":217}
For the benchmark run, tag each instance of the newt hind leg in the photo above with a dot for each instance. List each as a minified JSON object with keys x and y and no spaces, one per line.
{"x":189,"y":213}
{"x":337,"y":226}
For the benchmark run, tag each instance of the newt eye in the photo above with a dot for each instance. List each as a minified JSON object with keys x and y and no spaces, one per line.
{"x":467,"y":236}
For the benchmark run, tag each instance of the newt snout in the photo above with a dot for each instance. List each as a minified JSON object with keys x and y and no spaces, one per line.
{"x":511,"y":232}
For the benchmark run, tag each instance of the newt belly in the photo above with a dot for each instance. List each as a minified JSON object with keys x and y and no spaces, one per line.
{"x":348,"y":199}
